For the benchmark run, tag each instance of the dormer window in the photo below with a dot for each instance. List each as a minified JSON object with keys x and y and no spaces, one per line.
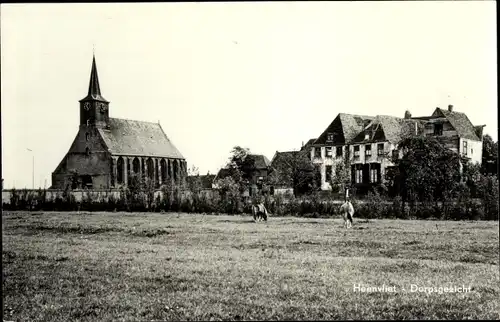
{"x":329,"y":137}
{"x":367,"y":136}
{"x":438,"y":129}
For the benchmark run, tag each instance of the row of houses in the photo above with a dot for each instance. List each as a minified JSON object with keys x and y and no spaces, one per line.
{"x":366,"y":141}
{"x":109,"y":153}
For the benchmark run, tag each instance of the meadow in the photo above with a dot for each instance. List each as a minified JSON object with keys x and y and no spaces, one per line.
{"x":98,"y":266}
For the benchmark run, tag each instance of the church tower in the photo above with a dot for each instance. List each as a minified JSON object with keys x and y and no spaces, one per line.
{"x":94,"y":109}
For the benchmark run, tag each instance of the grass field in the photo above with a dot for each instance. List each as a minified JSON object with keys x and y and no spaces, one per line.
{"x":144,"y":267}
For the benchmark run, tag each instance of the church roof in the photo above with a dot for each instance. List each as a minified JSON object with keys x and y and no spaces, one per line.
{"x":129,"y":137}
{"x":94,"y":88}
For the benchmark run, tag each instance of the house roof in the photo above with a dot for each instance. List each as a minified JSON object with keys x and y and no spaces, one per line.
{"x":285,"y":159}
{"x":260,"y":161}
{"x":460,"y":122}
{"x":283,"y":164}
{"x":308,"y":143}
{"x":345,"y":128}
{"x":129,"y":137}
{"x":389,"y":128}
{"x":223,"y":173}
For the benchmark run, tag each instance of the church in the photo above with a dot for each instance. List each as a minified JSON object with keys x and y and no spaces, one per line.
{"x":107,"y":152}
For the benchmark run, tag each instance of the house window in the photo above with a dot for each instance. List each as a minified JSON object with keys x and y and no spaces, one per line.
{"x":359,"y":176}
{"x":338,"y":151}
{"x":374,"y":175}
{"x":87,"y":136}
{"x":380,"y":149}
{"x":465,"y":147}
{"x":368,"y":150}
{"x":317,"y":152}
{"x":328,"y":173}
{"x":328,"y":151}
{"x":356,"y":151}
{"x":438,"y":129}
{"x":329,"y":137}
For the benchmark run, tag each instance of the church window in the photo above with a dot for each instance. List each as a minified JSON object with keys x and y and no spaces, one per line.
{"x":87,"y":151}
{"x":87,"y":136}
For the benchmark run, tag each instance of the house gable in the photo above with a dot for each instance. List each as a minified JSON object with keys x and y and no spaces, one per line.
{"x":334,"y":128}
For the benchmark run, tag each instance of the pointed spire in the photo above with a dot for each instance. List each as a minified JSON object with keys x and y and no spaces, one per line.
{"x":94,"y":88}
{"x":94,"y":92}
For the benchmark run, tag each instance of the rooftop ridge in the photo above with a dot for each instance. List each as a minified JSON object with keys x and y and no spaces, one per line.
{"x":124,"y":119}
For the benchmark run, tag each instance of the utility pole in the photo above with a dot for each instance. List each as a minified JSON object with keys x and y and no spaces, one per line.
{"x":32,"y":169}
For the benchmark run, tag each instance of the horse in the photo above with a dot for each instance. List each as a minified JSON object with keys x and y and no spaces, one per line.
{"x":259,"y":212}
{"x":347,"y":212}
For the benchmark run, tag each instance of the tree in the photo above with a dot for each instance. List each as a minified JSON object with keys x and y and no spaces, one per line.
{"x":342,"y":176}
{"x":490,"y":155}
{"x":238,"y":165}
{"x":427,"y":171}
{"x":295,"y":169}
{"x":194,"y":182}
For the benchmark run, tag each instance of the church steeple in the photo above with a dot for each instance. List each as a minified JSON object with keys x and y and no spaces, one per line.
{"x":94,"y":88}
{"x":94,"y":109}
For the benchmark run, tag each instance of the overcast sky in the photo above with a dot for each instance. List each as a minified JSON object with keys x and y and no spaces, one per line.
{"x":262,"y":75}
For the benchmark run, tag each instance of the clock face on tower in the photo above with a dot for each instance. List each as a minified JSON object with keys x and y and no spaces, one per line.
{"x":86,"y":106}
{"x":103,"y":107}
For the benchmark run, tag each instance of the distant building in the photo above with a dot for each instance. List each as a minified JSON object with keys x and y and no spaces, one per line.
{"x":107,"y":152}
{"x":283,"y":165}
{"x":367,"y":140}
{"x":258,"y":168}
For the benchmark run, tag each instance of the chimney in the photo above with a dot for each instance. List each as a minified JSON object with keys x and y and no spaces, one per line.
{"x":450,"y":108}
{"x":407,"y":115}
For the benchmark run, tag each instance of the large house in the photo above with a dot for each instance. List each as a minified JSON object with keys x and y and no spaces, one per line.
{"x":368,"y":140}
{"x":107,"y":152}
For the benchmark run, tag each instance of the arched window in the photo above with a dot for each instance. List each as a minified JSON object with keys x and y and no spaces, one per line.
{"x":87,"y":151}
{"x":151,"y":169}
{"x":163,"y":170}
{"x":119,"y":170}
{"x":136,"y":165}
{"x":87,"y":136}
{"x":176,"y":171}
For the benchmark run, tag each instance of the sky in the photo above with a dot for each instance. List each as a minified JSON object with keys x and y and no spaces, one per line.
{"x":262,"y":75}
